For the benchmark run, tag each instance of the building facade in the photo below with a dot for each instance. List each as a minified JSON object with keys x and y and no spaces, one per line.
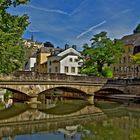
{"x":30,"y":43}
{"x":42,"y":58}
{"x":30,"y":64}
{"x":126,"y":68}
{"x":66,"y":62}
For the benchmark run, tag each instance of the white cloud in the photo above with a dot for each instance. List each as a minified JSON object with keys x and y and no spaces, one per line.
{"x":33,"y":30}
{"x":121,"y":13}
{"x":48,"y":10}
{"x":78,"y":9}
{"x":91,"y":28}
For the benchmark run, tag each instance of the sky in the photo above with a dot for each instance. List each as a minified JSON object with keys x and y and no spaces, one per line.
{"x":74,"y":22}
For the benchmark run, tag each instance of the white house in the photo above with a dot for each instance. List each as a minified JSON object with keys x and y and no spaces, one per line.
{"x":66,"y":61}
{"x":30,"y":63}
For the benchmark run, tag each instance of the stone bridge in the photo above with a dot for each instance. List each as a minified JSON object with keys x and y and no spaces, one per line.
{"x":33,"y":85}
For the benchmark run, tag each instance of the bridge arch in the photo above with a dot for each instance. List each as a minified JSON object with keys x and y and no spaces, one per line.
{"x":66,"y":92}
{"x":62,"y":93}
{"x":16,"y":94}
{"x":108,"y":91}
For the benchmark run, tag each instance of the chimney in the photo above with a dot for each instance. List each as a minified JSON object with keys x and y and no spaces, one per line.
{"x":66,"y":46}
{"x":74,"y":47}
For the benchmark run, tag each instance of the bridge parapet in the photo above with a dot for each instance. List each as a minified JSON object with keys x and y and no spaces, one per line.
{"x":123,"y":81}
{"x":34,"y":76}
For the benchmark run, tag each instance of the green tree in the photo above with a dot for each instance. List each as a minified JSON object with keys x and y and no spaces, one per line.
{"x":136,"y":58}
{"x":137,"y":29}
{"x":102,"y":52}
{"x":12,"y":28}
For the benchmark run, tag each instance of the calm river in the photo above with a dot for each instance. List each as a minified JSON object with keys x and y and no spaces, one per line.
{"x":70,"y":120}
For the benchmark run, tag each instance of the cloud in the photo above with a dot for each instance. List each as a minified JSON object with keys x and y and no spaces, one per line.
{"x":91,"y":28}
{"x":121,"y":13}
{"x":48,"y":10}
{"x":33,"y":30}
{"x":78,"y":9}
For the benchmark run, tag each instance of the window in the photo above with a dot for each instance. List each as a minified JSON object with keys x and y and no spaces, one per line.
{"x":66,"y":69}
{"x":56,"y":69}
{"x":50,"y":70}
{"x":121,"y":69}
{"x":72,"y":69}
{"x":79,"y":69}
{"x":114,"y":69}
{"x":70,"y":59}
{"x":129,"y":59}
{"x":76,"y":60}
{"x":50,"y":63}
{"x":124,"y":59}
{"x":129,"y":69}
{"x":125,"y":69}
{"x":121,"y":60}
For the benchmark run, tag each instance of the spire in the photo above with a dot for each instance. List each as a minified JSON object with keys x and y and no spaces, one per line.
{"x":32,"y":37}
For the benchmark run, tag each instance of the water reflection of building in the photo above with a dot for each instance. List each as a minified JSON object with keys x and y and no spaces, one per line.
{"x":69,"y":131}
{"x":2,"y":92}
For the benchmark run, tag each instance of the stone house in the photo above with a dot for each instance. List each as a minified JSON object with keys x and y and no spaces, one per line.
{"x":42,"y":58}
{"x":126,"y":68}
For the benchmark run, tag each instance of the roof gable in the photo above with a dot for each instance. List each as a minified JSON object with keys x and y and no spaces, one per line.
{"x":69,"y":51}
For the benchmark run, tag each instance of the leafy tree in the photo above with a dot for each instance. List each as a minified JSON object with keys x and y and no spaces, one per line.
{"x":136,"y":58}
{"x":103,"y":52}
{"x":137,"y":29}
{"x":107,"y":72}
{"x":11,"y":30}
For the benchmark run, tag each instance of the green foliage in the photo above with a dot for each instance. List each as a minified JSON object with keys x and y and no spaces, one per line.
{"x":107,"y":72}
{"x":8,"y":94}
{"x":103,"y":51}
{"x":136,"y":58}
{"x":137,"y":29}
{"x":11,"y":30}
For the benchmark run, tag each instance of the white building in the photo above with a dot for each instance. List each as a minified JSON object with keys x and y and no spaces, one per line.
{"x":30,"y":63}
{"x":65,"y":62}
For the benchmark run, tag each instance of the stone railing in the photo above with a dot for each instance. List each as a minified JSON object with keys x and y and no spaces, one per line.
{"x":124,"y":81}
{"x":34,"y":76}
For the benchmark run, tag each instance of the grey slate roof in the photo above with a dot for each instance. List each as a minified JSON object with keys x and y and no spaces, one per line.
{"x":133,"y":39}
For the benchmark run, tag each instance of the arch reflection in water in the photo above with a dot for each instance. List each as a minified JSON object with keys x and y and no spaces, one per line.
{"x":32,"y":121}
{"x":91,"y":127}
{"x":87,"y":123}
{"x":23,"y":112}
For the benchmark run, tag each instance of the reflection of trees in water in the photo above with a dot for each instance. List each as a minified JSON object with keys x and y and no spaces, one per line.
{"x":117,"y":128}
{"x":90,"y":128}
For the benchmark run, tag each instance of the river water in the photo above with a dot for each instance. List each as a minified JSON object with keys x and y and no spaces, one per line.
{"x":71,"y":120}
